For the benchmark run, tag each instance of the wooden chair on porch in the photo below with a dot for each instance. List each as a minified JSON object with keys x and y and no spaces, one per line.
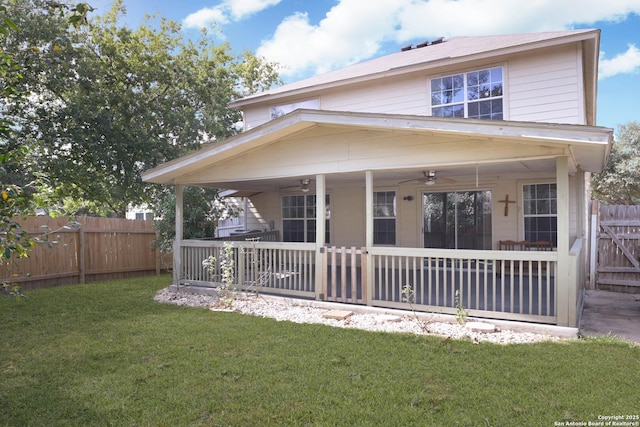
{"x":521,"y":245}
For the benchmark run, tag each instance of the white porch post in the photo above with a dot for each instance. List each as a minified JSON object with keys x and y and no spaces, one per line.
{"x":321,"y":212}
{"x":177,"y":243}
{"x":369,"y":235}
{"x":565,"y":289}
{"x":581,"y":203}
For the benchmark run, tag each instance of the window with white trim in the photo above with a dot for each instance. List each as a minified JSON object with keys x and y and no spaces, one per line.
{"x":540,"y":207}
{"x":299,"y":218}
{"x":384,"y":217}
{"x":476,"y":94}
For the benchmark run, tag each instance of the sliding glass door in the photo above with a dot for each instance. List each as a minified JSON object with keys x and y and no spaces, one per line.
{"x":457,"y":219}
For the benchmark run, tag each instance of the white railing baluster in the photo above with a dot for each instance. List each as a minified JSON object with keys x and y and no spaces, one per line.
{"x":507,"y":284}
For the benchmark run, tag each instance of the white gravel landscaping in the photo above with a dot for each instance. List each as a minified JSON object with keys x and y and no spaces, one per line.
{"x":367,"y":318}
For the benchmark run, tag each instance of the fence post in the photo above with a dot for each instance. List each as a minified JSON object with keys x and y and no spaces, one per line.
{"x":81,"y":256}
{"x":158,"y":253}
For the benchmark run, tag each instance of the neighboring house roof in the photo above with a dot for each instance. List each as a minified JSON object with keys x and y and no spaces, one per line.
{"x":588,"y":146}
{"x":449,"y":51}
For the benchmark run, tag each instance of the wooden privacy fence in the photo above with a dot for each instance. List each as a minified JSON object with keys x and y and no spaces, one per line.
{"x":618,"y":241}
{"x":95,"y":249}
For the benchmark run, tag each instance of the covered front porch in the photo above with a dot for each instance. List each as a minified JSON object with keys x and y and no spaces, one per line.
{"x":525,"y":285}
{"x":488,"y":284}
{"x":452,"y":190}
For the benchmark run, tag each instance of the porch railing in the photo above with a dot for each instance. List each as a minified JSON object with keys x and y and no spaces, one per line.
{"x":344,"y":278}
{"x":510,"y":285}
{"x":518,"y":285}
{"x":226,"y":226}
{"x":280,"y":268}
{"x":577,"y":258}
{"x":262,"y":236}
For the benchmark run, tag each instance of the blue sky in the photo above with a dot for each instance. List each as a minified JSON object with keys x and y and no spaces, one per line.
{"x":308,"y":37}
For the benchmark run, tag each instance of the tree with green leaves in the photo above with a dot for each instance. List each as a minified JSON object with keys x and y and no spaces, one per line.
{"x":17,"y":189}
{"x":619,"y":183}
{"x":205,"y":207}
{"x":112,"y":101}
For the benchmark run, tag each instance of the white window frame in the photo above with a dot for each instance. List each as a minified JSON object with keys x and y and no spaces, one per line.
{"x":306,"y":218}
{"x":378,"y":217}
{"x":526,"y":214}
{"x":463,"y":101}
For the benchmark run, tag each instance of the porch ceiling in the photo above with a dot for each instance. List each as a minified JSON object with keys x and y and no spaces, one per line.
{"x":396,"y":147}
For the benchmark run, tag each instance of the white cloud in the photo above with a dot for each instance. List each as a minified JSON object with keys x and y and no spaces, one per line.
{"x":240,"y":9}
{"x":478,"y":17}
{"x":203,"y":17}
{"x":354,"y":30}
{"x":226,"y":11}
{"x":623,"y":63}
{"x":349,"y":33}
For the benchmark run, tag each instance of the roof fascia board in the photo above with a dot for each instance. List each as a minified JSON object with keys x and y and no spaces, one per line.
{"x":590,"y":49}
{"x":549,"y":132}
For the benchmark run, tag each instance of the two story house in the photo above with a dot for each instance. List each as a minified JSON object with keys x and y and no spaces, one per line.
{"x":452,"y":172}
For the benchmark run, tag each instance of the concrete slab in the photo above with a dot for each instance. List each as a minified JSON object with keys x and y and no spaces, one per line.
{"x":337,"y":314}
{"x":611,"y":313}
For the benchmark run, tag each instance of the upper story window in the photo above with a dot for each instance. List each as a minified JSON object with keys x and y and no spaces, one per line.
{"x":281,"y":110}
{"x":475,"y":95}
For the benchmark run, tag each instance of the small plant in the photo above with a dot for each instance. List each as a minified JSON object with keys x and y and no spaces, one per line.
{"x":11,"y":290}
{"x":461,"y":313}
{"x":259,"y":275}
{"x":408,"y":296}
{"x":226,"y":270}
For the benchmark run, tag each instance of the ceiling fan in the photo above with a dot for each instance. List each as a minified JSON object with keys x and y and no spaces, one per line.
{"x":429,"y":178}
{"x":304,"y":186}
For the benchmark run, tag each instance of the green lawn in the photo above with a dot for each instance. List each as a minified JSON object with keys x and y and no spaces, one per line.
{"x":107,"y":354}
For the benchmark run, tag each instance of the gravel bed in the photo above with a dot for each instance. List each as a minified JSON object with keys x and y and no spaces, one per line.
{"x":302,"y":311}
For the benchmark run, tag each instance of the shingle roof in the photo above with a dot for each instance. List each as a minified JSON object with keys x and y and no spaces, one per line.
{"x":457,"y":47}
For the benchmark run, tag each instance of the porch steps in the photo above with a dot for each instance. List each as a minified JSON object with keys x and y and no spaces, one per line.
{"x":337,"y":314}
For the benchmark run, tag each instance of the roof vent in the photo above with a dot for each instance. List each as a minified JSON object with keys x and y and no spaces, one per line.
{"x":422,"y":44}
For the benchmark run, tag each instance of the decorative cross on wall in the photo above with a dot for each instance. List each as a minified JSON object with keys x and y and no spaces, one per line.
{"x":506,"y":202}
